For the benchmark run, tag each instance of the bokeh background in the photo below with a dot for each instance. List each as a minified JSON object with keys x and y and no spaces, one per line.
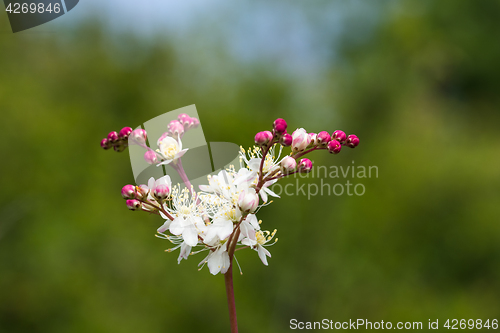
{"x":417,"y":81}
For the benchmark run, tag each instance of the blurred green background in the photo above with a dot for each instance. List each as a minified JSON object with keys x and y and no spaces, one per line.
{"x":419,"y":85}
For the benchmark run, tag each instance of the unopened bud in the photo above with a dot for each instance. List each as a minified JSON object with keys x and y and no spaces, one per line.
{"x":150,"y":157}
{"x":142,"y":192}
{"x":133,"y":204}
{"x":352,"y":141}
{"x":105,"y":144}
{"x":312,"y":140}
{"x":176,"y":128}
{"x":286,"y":140}
{"x":139,"y":136}
{"x":305,"y":165}
{"x":182,"y":117}
{"x":185,"y":120}
{"x":300,"y":140}
{"x":263,"y":138}
{"x":248,"y":201}
{"x":280,"y":126}
{"x":113,"y":137}
{"x":161,"y":192}
{"x":288,"y":164}
{"x":323,"y":138}
{"x":196,"y":122}
{"x":125,"y":132}
{"x":334,"y":147}
{"x":339,"y":136}
{"x":128,"y":192}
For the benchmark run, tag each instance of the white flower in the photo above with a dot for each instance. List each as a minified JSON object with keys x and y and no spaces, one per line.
{"x":170,"y":149}
{"x":261,"y":238}
{"x":248,"y":227}
{"x":250,"y":176}
{"x":187,"y":217}
{"x":218,"y":260}
{"x":221,"y":227}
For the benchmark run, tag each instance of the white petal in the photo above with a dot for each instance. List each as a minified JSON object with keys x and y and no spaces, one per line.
{"x":224,"y":228}
{"x":151,"y":183}
{"x":176,"y":226}
{"x":254,"y":164}
{"x":215,"y":262}
{"x":164,"y":162}
{"x":252,"y":219}
{"x":249,"y":242}
{"x":262,"y":254}
{"x":225,"y":262}
{"x":184,"y":254}
{"x":271,"y":193}
{"x":206,"y":188}
{"x":164,"y":227}
{"x":263,"y":194}
{"x":180,"y":154}
{"x":190,"y":235}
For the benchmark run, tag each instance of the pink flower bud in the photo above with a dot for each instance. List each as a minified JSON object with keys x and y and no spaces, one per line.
{"x":182,"y":117}
{"x":128,"y":192}
{"x":288,"y":164}
{"x":305,"y":165}
{"x":263,"y":138}
{"x":142,"y":192}
{"x":125,"y":132}
{"x":133,"y":204}
{"x":105,"y":144}
{"x":176,"y":128}
{"x":150,"y":157}
{"x":339,"y":136}
{"x":352,"y":141}
{"x":139,"y":136}
{"x":191,"y":122}
{"x":300,"y":140}
{"x":185,"y":120}
{"x":279,"y":126}
{"x":334,"y":147}
{"x":248,"y":201}
{"x":161,"y":192}
{"x":196,"y":122}
{"x":312,"y":140}
{"x":286,"y":140}
{"x":323,"y":138}
{"x":113,"y":137}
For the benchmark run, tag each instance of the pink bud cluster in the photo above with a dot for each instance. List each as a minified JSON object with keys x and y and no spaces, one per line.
{"x":148,"y":197}
{"x":120,"y":141}
{"x":117,"y":141}
{"x":278,"y":135}
{"x":301,"y":143}
{"x":183,"y":123}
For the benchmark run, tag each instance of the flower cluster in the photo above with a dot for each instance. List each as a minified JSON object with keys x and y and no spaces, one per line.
{"x":221,"y":217}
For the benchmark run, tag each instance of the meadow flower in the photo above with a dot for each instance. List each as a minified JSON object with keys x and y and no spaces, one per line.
{"x":170,"y":149}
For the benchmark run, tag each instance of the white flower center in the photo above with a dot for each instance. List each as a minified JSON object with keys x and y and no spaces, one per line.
{"x":185,"y":210}
{"x":170,"y":151}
